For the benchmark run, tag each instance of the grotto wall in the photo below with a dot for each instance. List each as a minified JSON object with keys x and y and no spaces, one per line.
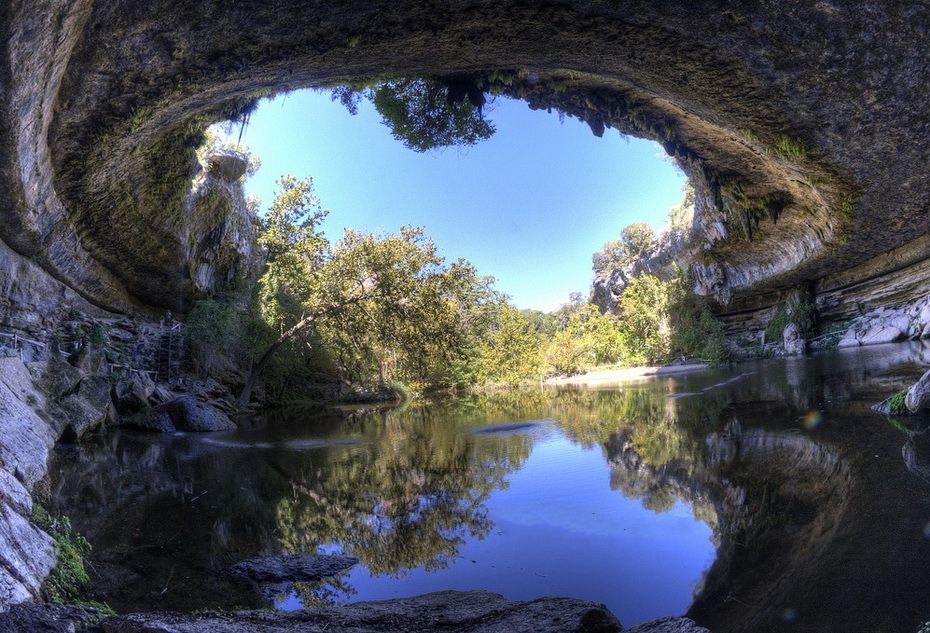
{"x":796,"y":124}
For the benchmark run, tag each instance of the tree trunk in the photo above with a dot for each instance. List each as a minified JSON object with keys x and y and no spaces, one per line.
{"x":246,"y":394}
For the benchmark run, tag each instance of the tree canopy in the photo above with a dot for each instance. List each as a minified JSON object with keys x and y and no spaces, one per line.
{"x":425,"y":113}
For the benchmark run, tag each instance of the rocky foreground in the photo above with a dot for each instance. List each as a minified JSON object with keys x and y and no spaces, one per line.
{"x":446,"y":611}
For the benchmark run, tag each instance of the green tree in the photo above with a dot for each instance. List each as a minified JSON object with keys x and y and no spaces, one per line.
{"x":512,"y":353}
{"x":636,"y":241}
{"x":644,"y":318}
{"x":381,"y":305}
{"x":425,"y":113}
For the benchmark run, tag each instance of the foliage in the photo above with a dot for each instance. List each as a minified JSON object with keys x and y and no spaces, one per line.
{"x":544,"y":323}
{"x":789,"y":148}
{"x":694,"y":330}
{"x":512,"y":352}
{"x":588,"y":338}
{"x":636,"y":241}
{"x":383,"y":307}
{"x":425,"y":113}
{"x":68,"y":580}
{"x":643,"y":308}
{"x":214,"y":327}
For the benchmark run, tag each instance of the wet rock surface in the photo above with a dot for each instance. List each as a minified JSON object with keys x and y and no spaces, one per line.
{"x":47,"y":618}
{"x":794,"y":343}
{"x":449,"y":611}
{"x":918,"y":395}
{"x":275,"y":575}
{"x":294,"y":568}
{"x":184,"y":413}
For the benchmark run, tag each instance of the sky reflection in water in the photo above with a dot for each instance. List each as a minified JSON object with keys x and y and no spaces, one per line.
{"x":764,"y":492}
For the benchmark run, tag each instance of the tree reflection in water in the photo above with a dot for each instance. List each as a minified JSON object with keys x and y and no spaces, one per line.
{"x":792,"y":504}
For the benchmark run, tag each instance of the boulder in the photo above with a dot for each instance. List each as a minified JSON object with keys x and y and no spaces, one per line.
{"x":48,"y":618}
{"x":275,"y":575}
{"x":189,"y":414}
{"x":161,"y":395}
{"x":150,"y":419}
{"x":228,"y":164}
{"x":184,"y":413}
{"x":668,"y":625}
{"x":918,"y":395}
{"x":795,"y":345}
{"x":882,"y":334}
{"x":132,"y":394}
{"x":87,"y":408}
{"x":850,"y":339}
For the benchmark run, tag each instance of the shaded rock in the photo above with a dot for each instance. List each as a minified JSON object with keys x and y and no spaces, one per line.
{"x":184,"y":413}
{"x":228,"y":164}
{"x":56,"y":377}
{"x":918,"y":395}
{"x":88,"y":408}
{"x":669,"y":625}
{"x":188,"y":414}
{"x":446,"y":611}
{"x":47,"y":618}
{"x":154,"y":419}
{"x":293,"y":568}
{"x":25,"y":438}
{"x":849,"y":339}
{"x":90,"y":359}
{"x":132,"y":395}
{"x":160,"y":395}
{"x":882,"y":334}
{"x":793,"y":341}
{"x":273,"y":576}
{"x":27,"y":555}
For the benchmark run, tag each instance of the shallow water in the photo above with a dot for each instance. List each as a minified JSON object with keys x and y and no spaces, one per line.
{"x":762,"y":497}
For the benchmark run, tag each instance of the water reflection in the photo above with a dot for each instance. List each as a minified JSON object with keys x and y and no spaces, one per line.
{"x":757,"y":496}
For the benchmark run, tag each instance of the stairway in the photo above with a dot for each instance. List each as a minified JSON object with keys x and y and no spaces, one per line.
{"x":169,"y":352}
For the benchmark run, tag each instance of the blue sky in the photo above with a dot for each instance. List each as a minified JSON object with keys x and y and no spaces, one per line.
{"x":528,"y":206}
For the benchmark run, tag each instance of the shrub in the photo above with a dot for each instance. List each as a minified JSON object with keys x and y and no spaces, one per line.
{"x":214,"y":328}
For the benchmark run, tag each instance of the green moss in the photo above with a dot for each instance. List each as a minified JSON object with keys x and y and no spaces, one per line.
{"x":68,"y":581}
{"x":896,"y":404}
{"x":802,"y":314}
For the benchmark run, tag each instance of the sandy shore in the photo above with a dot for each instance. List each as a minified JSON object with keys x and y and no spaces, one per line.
{"x":628,"y":373}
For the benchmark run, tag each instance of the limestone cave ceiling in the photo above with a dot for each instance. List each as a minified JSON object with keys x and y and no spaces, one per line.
{"x":800,"y":124}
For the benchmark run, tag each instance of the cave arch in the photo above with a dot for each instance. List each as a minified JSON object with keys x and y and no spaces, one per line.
{"x":783,"y":129}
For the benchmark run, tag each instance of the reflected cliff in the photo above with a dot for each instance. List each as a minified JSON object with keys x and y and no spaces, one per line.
{"x":757,"y":498}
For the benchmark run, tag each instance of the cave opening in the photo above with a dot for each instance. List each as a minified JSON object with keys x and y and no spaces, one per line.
{"x":530,"y":204}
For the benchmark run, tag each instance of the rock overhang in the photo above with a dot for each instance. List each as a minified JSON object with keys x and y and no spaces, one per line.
{"x":796,"y":126}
